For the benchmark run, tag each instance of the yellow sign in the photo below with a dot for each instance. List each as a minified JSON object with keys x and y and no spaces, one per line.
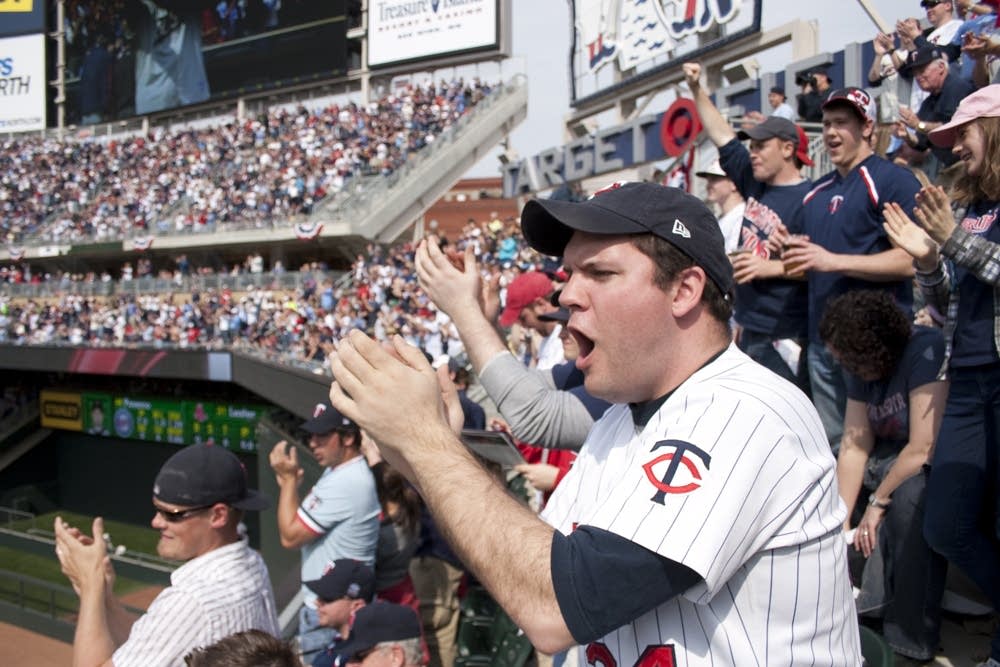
{"x":60,"y":410}
{"x":16,"y":5}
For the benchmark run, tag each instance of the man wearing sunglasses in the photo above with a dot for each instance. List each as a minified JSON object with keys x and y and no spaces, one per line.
{"x":199,"y":497}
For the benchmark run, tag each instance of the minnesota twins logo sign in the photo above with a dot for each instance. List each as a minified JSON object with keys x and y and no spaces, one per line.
{"x":666,"y":473}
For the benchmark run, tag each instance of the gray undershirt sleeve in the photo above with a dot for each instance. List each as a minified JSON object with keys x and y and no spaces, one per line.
{"x":538,"y":413}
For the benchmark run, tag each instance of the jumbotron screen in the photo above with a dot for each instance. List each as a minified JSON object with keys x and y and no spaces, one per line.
{"x":137,"y":57}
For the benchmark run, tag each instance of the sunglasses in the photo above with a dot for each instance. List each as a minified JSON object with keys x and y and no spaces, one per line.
{"x":173,"y":516}
{"x":927,"y":4}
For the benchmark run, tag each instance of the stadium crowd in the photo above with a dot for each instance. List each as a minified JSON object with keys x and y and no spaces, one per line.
{"x":382,"y":298}
{"x":255,"y":172}
{"x":873,"y":289}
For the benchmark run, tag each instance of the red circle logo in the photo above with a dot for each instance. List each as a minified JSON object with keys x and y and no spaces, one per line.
{"x":679,"y":126}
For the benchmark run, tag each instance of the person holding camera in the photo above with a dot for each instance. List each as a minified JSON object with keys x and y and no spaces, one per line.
{"x":815,"y":85}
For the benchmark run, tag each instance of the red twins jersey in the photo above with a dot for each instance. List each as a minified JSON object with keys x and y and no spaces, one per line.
{"x":732,"y":477}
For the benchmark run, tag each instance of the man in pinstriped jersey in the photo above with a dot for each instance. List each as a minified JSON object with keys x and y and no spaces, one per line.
{"x":199,"y":497}
{"x":701,"y":523}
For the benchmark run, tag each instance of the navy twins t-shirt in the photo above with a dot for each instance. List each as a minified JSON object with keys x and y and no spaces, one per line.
{"x":888,"y":401}
{"x":973,"y":340}
{"x":844,"y":216}
{"x":777,"y":307}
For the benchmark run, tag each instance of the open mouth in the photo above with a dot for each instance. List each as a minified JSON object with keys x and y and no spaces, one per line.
{"x":585,"y":344}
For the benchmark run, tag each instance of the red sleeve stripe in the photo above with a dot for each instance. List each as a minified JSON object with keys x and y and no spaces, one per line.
{"x":307,"y":521}
{"x":812,"y":193}
{"x":870,"y":184}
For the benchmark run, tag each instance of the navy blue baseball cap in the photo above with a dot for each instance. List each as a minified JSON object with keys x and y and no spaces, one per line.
{"x":202,"y":475}
{"x":377,"y":623}
{"x":346,"y":578}
{"x":326,"y":419}
{"x":634,"y":208}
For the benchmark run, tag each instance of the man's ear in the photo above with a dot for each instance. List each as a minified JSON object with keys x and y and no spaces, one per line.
{"x":219,"y":515}
{"x":398,"y":655}
{"x":688,"y":290}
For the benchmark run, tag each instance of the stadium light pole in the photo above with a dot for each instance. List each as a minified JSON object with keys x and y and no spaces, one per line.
{"x":59,"y":34}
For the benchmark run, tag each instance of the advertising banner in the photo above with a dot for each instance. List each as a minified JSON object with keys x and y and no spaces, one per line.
{"x":18,"y":17}
{"x":61,"y":410}
{"x":154,"y":420}
{"x":22,"y":83}
{"x":405,"y":30}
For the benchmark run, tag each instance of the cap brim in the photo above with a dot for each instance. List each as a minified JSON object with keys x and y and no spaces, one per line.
{"x":313,"y":585}
{"x":943,"y":136}
{"x":324,"y":423}
{"x":255,"y":501}
{"x":560,"y":315}
{"x":354,"y":645}
{"x":548,"y":224}
{"x":755,"y":133}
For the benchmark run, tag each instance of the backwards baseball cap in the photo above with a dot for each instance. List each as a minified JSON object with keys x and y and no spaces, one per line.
{"x":984,"y":103}
{"x":346,"y":578}
{"x":522,"y":291}
{"x":633,"y":208}
{"x":922,"y":56}
{"x":714,"y":169}
{"x":380,"y":622}
{"x":857,"y":99}
{"x":202,"y":475}
{"x":326,"y":419}
{"x":784,"y":129}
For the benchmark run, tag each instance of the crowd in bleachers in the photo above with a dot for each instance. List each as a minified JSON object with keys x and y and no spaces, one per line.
{"x":381,"y":298}
{"x":901,"y":433}
{"x":253,"y":172}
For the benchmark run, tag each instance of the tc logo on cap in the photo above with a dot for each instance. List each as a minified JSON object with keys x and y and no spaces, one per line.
{"x":680,"y":230}
{"x":318,"y":410}
{"x":859,"y":97}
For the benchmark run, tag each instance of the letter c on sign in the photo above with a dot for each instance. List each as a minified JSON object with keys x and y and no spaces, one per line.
{"x":679,"y":127}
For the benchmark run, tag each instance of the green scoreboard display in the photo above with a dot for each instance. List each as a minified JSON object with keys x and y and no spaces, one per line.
{"x":158,"y":420}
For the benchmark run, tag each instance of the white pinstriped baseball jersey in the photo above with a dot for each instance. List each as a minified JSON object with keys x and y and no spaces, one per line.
{"x":225,"y":591}
{"x":732,"y":477}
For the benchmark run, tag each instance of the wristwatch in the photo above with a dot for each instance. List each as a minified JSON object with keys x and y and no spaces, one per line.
{"x":921,"y":126}
{"x":873,"y":501}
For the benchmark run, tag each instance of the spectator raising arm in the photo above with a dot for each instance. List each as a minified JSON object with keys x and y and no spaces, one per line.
{"x":718,"y":128}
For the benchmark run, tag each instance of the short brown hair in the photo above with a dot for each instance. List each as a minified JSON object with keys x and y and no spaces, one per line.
{"x":669,"y":262}
{"x":251,"y":648}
